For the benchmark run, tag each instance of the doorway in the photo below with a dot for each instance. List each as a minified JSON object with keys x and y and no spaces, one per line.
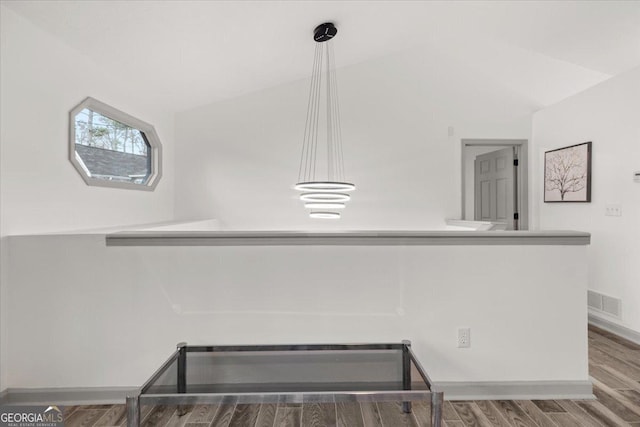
{"x":494,"y":181}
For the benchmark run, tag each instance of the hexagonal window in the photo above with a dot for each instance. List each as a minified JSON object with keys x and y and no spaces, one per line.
{"x":110,"y":148}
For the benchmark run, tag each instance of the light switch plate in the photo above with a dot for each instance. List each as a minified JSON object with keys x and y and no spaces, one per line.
{"x":613,"y":210}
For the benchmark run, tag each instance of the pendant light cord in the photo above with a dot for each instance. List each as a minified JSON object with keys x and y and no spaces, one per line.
{"x":323,"y":64}
{"x":307,"y":157}
{"x":329,"y":119}
{"x":338,"y":124}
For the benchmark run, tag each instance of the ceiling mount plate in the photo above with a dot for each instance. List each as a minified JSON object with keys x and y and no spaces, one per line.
{"x":324,"y":32}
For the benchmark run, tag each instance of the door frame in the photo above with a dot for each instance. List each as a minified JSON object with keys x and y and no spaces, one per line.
{"x":522,"y":186}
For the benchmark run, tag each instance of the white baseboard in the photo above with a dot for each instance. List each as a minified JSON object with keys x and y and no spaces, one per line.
{"x":610,"y":326}
{"x":489,"y":390}
{"x":66,"y":396}
{"x":515,"y":390}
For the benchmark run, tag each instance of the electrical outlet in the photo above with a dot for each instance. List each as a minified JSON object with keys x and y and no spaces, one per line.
{"x":464,"y":337}
{"x":613,"y":210}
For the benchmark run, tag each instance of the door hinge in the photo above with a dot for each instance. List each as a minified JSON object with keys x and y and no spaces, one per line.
{"x":515,"y":216}
{"x":515,"y":162}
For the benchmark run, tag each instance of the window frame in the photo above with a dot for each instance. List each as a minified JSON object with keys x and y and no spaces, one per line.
{"x":149,"y":134}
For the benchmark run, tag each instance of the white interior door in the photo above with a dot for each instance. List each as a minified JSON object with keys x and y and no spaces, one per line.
{"x":494,"y":187}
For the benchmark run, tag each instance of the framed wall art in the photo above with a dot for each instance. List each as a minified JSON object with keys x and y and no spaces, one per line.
{"x":567,"y":174}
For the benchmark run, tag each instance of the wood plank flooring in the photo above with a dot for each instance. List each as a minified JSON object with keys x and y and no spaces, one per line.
{"x":614,"y":365}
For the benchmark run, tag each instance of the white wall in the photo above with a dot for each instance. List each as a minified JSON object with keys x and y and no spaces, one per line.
{"x":609,"y":116}
{"x":91,"y":315}
{"x":238,"y":159}
{"x":41,"y":79}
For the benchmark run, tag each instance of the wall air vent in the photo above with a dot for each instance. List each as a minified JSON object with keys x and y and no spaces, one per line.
{"x":604,"y":303}
{"x":595,"y":300}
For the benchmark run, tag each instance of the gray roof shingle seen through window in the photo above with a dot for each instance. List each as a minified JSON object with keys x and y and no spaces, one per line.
{"x":109,"y":163}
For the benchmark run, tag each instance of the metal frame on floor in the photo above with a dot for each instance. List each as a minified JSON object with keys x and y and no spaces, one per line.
{"x":405,"y":396}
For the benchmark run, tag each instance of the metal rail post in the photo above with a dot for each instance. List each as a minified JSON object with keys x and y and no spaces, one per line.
{"x":437,"y":401}
{"x":406,"y":373}
{"x":182,"y":367}
{"x":133,"y":411}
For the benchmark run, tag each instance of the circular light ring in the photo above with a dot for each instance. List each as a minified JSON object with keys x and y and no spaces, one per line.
{"x":324,"y":186}
{"x":324,"y":197}
{"x":324,"y":215}
{"x":317,"y":205}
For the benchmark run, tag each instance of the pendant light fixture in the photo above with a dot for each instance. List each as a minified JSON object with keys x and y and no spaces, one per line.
{"x":322,"y":183}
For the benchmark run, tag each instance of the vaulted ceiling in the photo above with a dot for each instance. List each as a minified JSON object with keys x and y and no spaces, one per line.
{"x":182,"y":54}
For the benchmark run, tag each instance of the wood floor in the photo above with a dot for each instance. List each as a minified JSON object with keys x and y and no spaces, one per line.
{"x":614,"y":365}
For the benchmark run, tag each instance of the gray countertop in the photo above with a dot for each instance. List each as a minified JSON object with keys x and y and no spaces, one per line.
{"x":345,"y":238}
